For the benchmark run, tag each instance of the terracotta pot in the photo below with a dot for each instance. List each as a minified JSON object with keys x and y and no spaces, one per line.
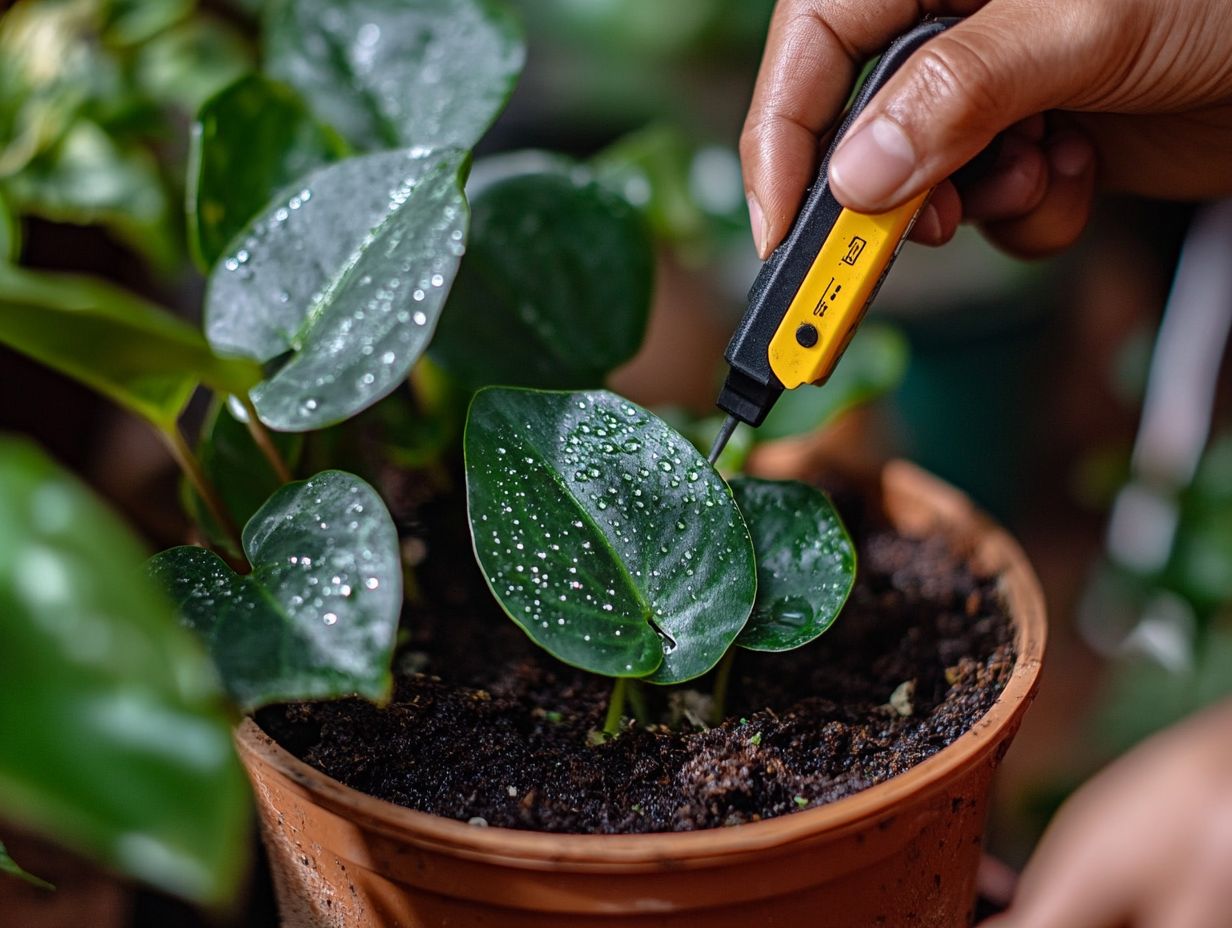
{"x":902,"y":853}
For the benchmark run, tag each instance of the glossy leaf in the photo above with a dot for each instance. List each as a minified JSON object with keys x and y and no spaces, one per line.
{"x":702,"y":431}
{"x":806,"y":563}
{"x":116,"y":739}
{"x":135,"y":353}
{"x":397,"y":73}
{"x":250,"y":141}
{"x":318,"y":615}
{"x":873,"y":365}
{"x":346,"y":273}
{"x":555,"y":288}
{"x":604,"y":534}
{"x":237,"y":469}
{"x":9,"y":866}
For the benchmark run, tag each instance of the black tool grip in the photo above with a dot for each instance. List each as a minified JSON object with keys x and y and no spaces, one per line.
{"x":752,"y":388}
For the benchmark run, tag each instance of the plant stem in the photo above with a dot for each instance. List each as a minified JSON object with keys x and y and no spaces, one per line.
{"x":616,"y":707}
{"x":637,"y":701}
{"x":191,"y":467}
{"x":722,"y":678}
{"x":260,"y":435}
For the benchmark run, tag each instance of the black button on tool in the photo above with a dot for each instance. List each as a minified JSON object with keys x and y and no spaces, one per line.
{"x":806,"y":335}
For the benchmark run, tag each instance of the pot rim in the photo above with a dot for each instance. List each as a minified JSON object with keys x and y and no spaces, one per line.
{"x":920,"y":502}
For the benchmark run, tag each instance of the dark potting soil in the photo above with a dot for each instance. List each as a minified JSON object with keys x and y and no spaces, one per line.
{"x":486,"y":728}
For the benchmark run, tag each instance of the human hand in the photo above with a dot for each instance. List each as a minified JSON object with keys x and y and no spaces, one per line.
{"x":1141,"y":89}
{"x":1147,"y":843}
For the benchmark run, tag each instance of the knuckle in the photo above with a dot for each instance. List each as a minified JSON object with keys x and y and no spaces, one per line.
{"x":956,"y":79}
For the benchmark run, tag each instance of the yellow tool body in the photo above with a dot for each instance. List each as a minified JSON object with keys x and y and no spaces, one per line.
{"x":813,"y":290}
{"x":836,"y":292}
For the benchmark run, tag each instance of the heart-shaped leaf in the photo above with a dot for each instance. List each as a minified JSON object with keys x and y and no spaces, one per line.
{"x":604,"y":534}
{"x":346,"y":273}
{"x":806,"y":563}
{"x":137,"y":354}
{"x":873,"y":365}
{"x":249,"y":142}
{"x":116,"y":737}
{"x":237,"y":469}
{"x":318,"y":615}
{"x":555,"y":288}
{"x":391,"y":73}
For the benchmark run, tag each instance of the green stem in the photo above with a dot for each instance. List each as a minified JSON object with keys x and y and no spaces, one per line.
{"x":722,"y":679}
{"x":616,"y":707}
{"x":637,"y":701}
{"x":261,"y":436}
{"x":191,"y":467}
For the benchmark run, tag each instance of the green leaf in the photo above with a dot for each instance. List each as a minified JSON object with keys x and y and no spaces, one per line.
{"x":12,"y":868}
{"x":131,"y":22}
{"x":396,"y":73}
{"x":133,"y":352}
{"x":692,"y":195}
{"x":116,"y":739}
{"x":702,"y":431}
{"x":235,"y":466}
{"x":90,"y":177}
{"x":604,"y":534}
{"x":806,"y":563}
{"x":555,"y":288}
{"x":250,"y":141}
{"x":346,"y":272}
{"x":873,"y":365}
{"x":191,"y":62}
{"x":317,"y":617}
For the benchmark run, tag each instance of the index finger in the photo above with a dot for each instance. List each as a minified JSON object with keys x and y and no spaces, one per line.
{"x":813,"y":50}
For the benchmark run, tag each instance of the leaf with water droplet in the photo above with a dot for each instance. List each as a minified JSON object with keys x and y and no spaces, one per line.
{"x":555,"y":288}
{"x":249,"y":142}
{"x":339,"y":282}
{"x":237,"y":469}
{"x":873,"y":365}
{"x":390,"y":73}
{"x":308,"y":622}
{"x":806,"y":563}
{"x":139,"y":355}
{"x":116,"y":734}
{"x":576,"y":563}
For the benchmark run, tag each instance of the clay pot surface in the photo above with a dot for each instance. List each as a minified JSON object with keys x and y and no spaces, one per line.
{"x":902,"y":853}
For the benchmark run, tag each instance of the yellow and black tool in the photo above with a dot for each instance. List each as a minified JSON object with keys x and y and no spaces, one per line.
{"x":813,"y":291}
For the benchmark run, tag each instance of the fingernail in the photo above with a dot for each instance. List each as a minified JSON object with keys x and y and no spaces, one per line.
{"x":1070,"y":155}
{"x":872,"y":164}
{"x":757,"y":219}
{"x":928,"y":225}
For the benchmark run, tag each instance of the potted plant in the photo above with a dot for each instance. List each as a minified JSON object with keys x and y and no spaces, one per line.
{"x":375,"y":303}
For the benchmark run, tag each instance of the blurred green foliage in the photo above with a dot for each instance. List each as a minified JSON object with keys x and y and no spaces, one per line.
{"x":116,"y":737}
{"x":92,"y":93}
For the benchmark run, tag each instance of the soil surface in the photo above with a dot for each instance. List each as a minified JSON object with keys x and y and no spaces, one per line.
{"x":486,"y":728}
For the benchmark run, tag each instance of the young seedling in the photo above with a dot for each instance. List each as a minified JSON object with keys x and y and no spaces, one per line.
{"x":609,"y":539}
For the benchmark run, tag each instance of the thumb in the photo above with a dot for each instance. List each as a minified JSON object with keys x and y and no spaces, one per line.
{"x":1010,"y":60}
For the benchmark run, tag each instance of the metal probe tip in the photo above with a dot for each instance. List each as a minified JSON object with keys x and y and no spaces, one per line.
{"x":720,"y":440}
